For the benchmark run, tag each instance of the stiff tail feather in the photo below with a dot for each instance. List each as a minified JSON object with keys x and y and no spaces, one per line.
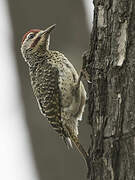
{"x":79,"y":147}
{"x":68,"y":142}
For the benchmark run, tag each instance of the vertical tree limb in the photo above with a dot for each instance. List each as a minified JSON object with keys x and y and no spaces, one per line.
{"x":110,"y":64}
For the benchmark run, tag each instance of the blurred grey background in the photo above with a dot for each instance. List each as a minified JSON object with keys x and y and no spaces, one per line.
{"x":71,"y":37}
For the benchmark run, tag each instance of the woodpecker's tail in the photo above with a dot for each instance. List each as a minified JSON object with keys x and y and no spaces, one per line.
{"x":68,"y":142}
{"x":79,"y":147}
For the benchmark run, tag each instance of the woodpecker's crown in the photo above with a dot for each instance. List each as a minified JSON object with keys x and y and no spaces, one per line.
{"x":36,"y":40}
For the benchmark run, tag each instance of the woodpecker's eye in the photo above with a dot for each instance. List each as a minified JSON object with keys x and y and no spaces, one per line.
{"x":30,"y":36}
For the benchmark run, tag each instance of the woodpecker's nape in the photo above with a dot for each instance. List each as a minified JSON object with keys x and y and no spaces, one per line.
{"x":56,"y":84}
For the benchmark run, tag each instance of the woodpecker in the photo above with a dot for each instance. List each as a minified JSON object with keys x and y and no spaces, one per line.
{"x":56,"y":84}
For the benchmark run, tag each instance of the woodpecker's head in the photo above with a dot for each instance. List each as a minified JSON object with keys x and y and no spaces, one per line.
{"x":36,"y":40}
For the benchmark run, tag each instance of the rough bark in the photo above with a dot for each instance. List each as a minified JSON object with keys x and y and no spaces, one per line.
{"x":111,"y":68}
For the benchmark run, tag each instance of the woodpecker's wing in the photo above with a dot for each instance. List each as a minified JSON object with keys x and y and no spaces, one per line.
{"x":48,"y":96}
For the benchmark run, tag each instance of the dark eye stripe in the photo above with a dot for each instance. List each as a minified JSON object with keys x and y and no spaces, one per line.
{"x":36,"y":41}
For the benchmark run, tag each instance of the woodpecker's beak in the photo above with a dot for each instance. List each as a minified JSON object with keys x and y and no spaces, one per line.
{"x":49,"y":29}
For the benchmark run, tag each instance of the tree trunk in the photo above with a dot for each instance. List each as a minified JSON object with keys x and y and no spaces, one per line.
{"x":110,"y":64}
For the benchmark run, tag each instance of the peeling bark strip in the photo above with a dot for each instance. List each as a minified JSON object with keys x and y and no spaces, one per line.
{"x":100,"y":22}
{"x":122,"y":41}
{"x":111,"y":67}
